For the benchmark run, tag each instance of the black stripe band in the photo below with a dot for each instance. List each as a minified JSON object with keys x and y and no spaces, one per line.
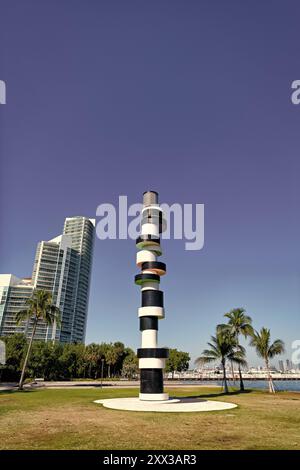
{"x":160,"y":353}
{"x":153,"y":265}
{"x":152,"y":381}
{"x":148,"y":323}
{"x":152,"y":298}
{"x":148,"y":238}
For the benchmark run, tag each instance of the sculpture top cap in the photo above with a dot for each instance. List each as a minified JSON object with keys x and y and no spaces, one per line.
{"x":150,"y":198}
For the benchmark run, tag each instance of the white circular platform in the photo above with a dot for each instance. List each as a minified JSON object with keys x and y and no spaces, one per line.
{"x":175,"y":405}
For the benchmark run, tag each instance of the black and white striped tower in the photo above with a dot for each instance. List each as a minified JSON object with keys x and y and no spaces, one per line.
{"x":151,"y":358}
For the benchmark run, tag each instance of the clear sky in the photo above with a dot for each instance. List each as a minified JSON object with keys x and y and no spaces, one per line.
{"x":191,"y":99}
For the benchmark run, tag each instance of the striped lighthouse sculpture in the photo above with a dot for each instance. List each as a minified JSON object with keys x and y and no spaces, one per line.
{"x":151,"y":358}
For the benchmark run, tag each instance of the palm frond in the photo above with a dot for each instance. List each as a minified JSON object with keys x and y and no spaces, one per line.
{"x":240,"y":323}
{"x":220,"y":347}
{"x":210,"y":353}
{"x":204,"y":360}
{"x":213,"y":348}
{"x":238,"y":360}
{"x":276,"y":348}
{"x":22,"y":315}
{"x":40,"y":307}
{"x":223,"y":327}
{"x":52,"y":315}
{"x":261,"y":342}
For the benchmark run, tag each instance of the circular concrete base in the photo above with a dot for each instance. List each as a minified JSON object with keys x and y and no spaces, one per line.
{"x":175,"y":405}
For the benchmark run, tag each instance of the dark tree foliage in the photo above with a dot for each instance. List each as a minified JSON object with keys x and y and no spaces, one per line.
{"x":53,"y":361}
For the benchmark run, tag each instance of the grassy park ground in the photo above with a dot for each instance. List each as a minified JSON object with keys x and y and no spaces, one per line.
{"x":68,"y":419}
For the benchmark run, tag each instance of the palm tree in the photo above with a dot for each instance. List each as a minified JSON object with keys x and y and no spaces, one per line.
{"x":261,"y":342}
{"x":223,"y":347}
{"x":111,"y":357}
{"x":38,"y":308}
{"x":94,"y":353}
{"x":238,"y":324}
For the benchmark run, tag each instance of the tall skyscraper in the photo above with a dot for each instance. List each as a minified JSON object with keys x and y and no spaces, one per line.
{"x":81,"y":231}
{"x":62,"y":266}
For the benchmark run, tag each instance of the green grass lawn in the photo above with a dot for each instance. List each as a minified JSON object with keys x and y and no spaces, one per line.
{"x":68,"y":419}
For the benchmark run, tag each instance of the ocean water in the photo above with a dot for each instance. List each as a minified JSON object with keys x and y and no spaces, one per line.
{"x":284,"y":385}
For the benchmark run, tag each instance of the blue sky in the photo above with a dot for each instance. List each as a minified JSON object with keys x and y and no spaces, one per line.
{"x":191,"y":99}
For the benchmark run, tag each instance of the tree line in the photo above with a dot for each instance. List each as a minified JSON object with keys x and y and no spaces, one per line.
{"x":57,"y":361}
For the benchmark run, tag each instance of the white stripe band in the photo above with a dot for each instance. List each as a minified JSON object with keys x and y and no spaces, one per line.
{"x":150,"y":229}
{"x":154,"y":396}
{"x":150,"y":286}
{"x":144,"y":256}
{"x":149,"y":338}
{"x":151,"y":363}
{"x":151,"y":311}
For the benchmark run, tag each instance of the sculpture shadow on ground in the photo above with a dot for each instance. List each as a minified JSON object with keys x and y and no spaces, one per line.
{"x":204,"y":396}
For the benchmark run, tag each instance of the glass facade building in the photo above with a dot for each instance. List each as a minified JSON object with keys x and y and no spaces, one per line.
{"x":62,"y":266}
{"x":13,"y":294}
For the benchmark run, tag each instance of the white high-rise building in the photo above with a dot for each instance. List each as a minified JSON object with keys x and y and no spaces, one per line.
{"x":62,"y":265}
{"x":13,"y":294}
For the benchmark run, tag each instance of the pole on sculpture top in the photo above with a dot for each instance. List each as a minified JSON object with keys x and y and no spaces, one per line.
{"x":152,"y":359}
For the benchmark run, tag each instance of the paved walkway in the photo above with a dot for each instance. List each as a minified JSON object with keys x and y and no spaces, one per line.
{"x":95,"y":384}
{"x":115,"y":384}
{"x":7,"y":386}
